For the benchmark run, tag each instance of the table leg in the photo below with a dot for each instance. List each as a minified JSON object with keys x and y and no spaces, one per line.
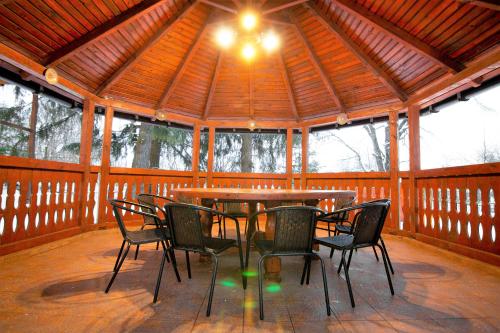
{"x":272,"y":265}
{"x":206,"y":220}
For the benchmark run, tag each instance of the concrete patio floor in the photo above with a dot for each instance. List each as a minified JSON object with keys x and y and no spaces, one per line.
{"x":59,"y":287}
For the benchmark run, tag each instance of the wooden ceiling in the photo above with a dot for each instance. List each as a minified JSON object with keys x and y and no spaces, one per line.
{"x":336,"y":55}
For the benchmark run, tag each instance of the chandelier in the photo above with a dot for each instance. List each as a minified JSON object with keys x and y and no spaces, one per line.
{"x":247,"y":38}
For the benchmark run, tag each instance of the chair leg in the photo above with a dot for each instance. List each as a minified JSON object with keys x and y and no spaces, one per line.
{"x":325,"y":286}
{"x":136,"y":252}
{"x":157,"y":246}
{"x":341,"y":262}
{"x":346,"y":272}
{"x":386,"y":255}
{"x":224,"y":226}
{"x":174,"y":263}
{"x":160,"y":273}
{"x":242,"y":265}
{"x":375,"y":251}
{"x":387,"y":269}
{"x":212,"y":285}
{"x":188,"y":264}
{"x":261,"y":294}
{"x":331,"y":253}
{"x":308,"y":270}
{"x":117,"y":269}
{"x":119,"y":255}
{"x":304,"y":270}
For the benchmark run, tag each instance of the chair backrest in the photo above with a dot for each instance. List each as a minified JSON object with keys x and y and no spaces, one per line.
{"x":341,"y":203}
{"x":294,"y":228}
{"x":154,"y":202}
{"x":185,"y":225}
{"x":370,"y":222}
{"x":121,"y":205}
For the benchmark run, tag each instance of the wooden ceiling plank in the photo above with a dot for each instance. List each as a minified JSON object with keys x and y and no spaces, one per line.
{"x":251,"y":90}
{"x":358,"y":52}
{"x":289,"y":89}
{"x":186,"y":9}
{"x":101,"y":31}
{"x":188,"y":55}
{"x":490,"y":4}
{"x":283,"y":6}
{"x":317,"y":64}
{"x":213,"y":84}
{"x":399,"y":34}
{"x":218,"y":5}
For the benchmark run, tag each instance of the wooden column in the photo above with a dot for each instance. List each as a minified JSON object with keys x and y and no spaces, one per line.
{"x":394,"y":167}
{"x":105,"y":164}
{"x":289,"y":157}
{"x":195,"y":162}
{"x":305,"y":144}
{"x":33,"y":118}
{"x":414,"y":139}
{"x":85,"y":157}
{"x":210,"y":162}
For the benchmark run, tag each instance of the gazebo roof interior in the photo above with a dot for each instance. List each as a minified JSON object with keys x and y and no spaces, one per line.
{"x":336,"y":55}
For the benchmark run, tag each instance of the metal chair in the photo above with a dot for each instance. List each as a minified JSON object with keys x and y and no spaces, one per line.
{"x":293,"y":236}
{"x":338,"y":219}
{"x":187,"y":235}
{"x":141,"y":237}
{"x":155,"y":202}
{"x":236,"y":210}
{"x":367,"y":229}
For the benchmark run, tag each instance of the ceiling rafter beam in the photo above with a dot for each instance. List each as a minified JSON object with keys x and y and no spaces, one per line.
{"x":399,"y":34}
{"x":358,"y":52}
{"x":101,"y":31}
{"x":282,"y":7}
{"x":251,"y":92}
{"x":181,"y":68}
{"x":169,"y":24}
{"x":237,"y":3}
{"x":490,"y":4}
{"x":218,"y":5}
{"x":213,"y":84}
{"x":318,"y":66}
{"x":289,"y":89}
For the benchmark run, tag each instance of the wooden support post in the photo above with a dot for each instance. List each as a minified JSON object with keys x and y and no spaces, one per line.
{"x":289,"y":157}
{"x":210,"y":162}
{"x":394,"y":167}
{"x":33,"y":118}
{"x":305,"y":144}
{"x":414,"y":138}
{"x":85,"y":158}
{"x":196,"y":155}
{"x":105,"y":165}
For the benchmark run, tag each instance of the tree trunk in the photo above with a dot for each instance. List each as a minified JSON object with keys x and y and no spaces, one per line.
{"x":142,"y":147}
{"x":377,"y":152}
{"x":246,"y":152}
{"x":154,"y":154}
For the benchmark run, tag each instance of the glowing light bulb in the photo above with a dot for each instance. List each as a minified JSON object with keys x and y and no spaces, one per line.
{"x":270,"y":41}
{"x":225,"y":37}
{"x":249,"y":20}
{"x":51,"y":75}
{"x":251,"y":124}
{"x":342,"y":118}
{"x":248,"y":52}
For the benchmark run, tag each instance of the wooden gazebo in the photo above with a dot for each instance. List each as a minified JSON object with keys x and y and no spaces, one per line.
{"x":157,"y":59}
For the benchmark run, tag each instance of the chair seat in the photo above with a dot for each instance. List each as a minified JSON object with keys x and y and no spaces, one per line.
{"x":146,"y":236}
{"x":343,"y":228}
{"x":217,"y":245}
{"x":337,"y":242}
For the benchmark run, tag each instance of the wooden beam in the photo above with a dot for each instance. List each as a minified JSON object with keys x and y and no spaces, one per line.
{"x":251,"y":92}
{"x":305,"y":150}
{"x":414,"y":141}
{"x":196,"y":155}
{"x":289,"y":157}
{"x":181,"y":68}
{"x":289,"y":89}
{"x":399,"y":34}
{"x":283,"y":6}
{"x":218,"y":5}
{"x":394,"y":167}
{"x":210,"y":157}
{"x":213,"y":84}
{"x":188,"y":7}
{"x":237,"y":3}
{"x":105,"y":165}
{"x":101,"y":31}
{"x":86,"y":158}
{"x":358,"y":52}
{"x":490,"y":4}
{"x":317,"y":64}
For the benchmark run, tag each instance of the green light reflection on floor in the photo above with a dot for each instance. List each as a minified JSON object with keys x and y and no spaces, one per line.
{"x":273,"y":288}
{"x":250,"y":273}
{"x":228,"y":283}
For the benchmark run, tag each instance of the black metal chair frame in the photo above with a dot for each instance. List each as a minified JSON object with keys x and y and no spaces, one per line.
{"x":353,"y":245}
{"x":158,"y":237}
{"x":141,"y":198}
{"x":276,"y":252}
{"x":202,"y":248}
{"x":351,"y":230}
{"x":221,"y":219}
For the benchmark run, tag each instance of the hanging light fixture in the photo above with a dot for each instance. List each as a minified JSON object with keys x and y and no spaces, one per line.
{"x":249,"y":20}
{"x":160,"y":115}
{"x":248,"y":51}
{"x":342,"y":118}
{"x":225,"y":37}
{"x":270,"y":41}
{"x":51,"y":75}
{"x":252,"y":124}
